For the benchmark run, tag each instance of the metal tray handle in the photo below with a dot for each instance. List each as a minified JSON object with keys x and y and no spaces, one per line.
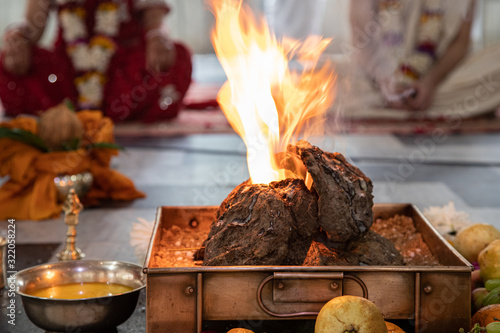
{"x":283,"y":276}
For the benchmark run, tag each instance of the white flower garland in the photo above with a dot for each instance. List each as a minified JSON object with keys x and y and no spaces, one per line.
{"x":90,"y":57}
{"x":107,"y":22}
{"x":90,"y":89}
{"x":447,"y":220}
{"x":429,"y":31}
{"x":100,"y":58}
{"x":79,"y":54}
{"x":93,"y":57}
{"x":73,"y":25}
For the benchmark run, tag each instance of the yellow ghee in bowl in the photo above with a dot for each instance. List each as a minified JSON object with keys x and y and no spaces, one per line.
{"x":81,"y":290}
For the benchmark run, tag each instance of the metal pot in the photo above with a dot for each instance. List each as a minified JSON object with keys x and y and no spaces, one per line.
{"x":87,"y":314}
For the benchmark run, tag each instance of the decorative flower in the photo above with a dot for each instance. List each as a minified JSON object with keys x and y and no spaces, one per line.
{"x":101,"y":51}
{"x":421,"y":62}
{"x":411,"y":67}
{"x":107,"y":19}
{"x":94,"y":56}
{"x":430,"y":30}
{"x":100,"y":58}
{"x":140,"y":235}
{"x":73,"y":24}
{"x":90,"y":89}
{"x":390,"y":21}
{"x":80,"y":56}
{"x":447,"y":220}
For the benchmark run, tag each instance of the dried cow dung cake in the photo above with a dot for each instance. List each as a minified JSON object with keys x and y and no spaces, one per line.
{"x":345,"y":193}
{"x":370,"y":249}
{"x":263,"y":225}
{"x":275,"y":224}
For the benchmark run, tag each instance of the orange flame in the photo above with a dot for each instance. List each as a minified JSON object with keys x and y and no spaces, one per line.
{"x":266,"y":102}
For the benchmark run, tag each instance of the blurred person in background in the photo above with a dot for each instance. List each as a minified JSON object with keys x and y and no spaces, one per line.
{"x":113,"y":56}
{"x":414,"y":56}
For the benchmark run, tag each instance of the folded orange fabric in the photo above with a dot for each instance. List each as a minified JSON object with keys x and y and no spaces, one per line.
{"x":30,"y":192}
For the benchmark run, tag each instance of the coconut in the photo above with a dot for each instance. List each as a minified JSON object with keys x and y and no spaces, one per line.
{"x":59,"y":126}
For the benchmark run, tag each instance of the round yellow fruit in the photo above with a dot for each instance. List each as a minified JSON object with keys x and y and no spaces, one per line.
{"x":351,"y":314}
{"x":240,"y":330}
{"x":489,"y":261}
{"x":473,"y":239}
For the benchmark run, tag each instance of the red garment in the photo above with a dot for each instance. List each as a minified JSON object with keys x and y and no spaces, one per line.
{"x":131,"y":92}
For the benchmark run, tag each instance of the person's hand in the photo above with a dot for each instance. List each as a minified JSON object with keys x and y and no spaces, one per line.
{"x":424,"y":95}
{"x":160,"y":53}
{"x":17,"y":52}
{"x":395,"y":94}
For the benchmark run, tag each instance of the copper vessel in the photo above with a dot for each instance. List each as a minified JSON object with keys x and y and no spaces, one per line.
{"x":179,"y":299}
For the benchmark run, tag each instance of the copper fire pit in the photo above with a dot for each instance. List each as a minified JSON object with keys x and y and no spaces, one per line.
{"x":179,"y":299}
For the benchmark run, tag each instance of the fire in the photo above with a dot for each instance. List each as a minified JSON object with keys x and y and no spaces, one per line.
{"x":266,"y":102}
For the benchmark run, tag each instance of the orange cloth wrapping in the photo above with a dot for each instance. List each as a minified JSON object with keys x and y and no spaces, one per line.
{"x":30,"y":192}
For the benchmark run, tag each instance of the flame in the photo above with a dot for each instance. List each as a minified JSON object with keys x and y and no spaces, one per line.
{"x":266,"y":102}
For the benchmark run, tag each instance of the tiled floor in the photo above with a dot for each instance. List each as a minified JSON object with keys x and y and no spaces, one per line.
{"x":193,"y":170}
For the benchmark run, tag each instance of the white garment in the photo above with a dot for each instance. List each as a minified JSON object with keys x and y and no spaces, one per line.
{"x":295,"y":19}
{"x":378,"y":60}
{"x":473,"y":88}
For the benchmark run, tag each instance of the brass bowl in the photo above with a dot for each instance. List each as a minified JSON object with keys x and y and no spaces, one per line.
{"x":81,"y":182}
{"x":86,"y":314}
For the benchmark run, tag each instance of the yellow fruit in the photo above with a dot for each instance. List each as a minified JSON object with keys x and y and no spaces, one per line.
{"x":350,"y":314}
{"x":239,"y":330}
{"x":472,"y":240}
{"x":489,"y":261}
